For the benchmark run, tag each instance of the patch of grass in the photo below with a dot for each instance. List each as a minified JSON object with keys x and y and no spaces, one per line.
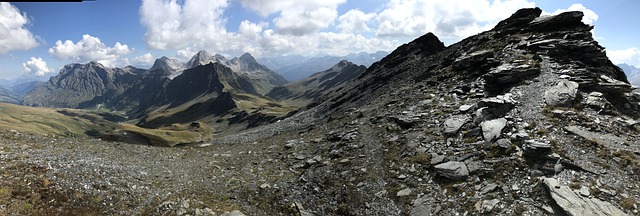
{"x":168,"y":137}
{"x":575,"y":184}
{"x":628,"y":203}
{"x":628,"y":158}
{"x":421,"y":158}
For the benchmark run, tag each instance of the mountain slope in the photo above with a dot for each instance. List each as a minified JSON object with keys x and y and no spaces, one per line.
{"x":300,"y":93}
{"x":85,"y":86}
{"x":532,"y":108}
{"x":8,"y":96}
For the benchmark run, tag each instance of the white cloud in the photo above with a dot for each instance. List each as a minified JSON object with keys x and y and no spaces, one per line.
{"x":589,"y":16}
{"x":36,"y":66}
{"x":90,"y":49}
{"x":13,"y":34}
{"x":146,"y":59}
{"x":185,"y":54}
{"x":297,"y":17}
{"x":454,"y":19}
{"x":251,"y":30}
{"x":355,"y":21}
{"x":196,"y":23}
{"x":629,"y":56}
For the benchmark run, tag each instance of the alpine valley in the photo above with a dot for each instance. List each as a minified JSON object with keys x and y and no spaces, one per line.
{"x":528,"y":118}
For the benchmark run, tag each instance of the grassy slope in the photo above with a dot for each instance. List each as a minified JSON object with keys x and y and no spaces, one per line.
{"x":39,"y":120}
{"x":176,"y":134}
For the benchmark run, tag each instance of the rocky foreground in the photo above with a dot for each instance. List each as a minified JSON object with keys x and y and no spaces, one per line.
{"x":530,"y":118}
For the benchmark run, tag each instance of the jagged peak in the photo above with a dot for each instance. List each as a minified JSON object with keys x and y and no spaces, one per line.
{"x":163,"y":62}
{"x":520,"y":17}
{"x":94,"y":64}
{"x":247,"y":57}
{"x":341,"y":65}
{"x":429,"y":43}
{"x":202,"y":53}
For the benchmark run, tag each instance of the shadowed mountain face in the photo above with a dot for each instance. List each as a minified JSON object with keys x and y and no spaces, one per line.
{"x":85,"y":86}
{"x":195,"y":94}
{"x":300,"y":93}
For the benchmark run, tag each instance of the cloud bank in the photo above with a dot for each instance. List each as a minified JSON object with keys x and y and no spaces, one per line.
{"x":13,"y":34}
{"x":90,"y":48}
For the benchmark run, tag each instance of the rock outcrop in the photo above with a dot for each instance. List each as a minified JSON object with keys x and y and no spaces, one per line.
{"x":576,"y":203}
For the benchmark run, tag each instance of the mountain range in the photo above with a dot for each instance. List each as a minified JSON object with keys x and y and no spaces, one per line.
{"x":297,"y":67}
{"x":210,"y":89}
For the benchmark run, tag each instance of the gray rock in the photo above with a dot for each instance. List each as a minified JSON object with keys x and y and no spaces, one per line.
{"x":233,"y":213}
{"x":404,"y":192}
{"x":454,"y":123}
{"x":493,"y":128}
{"x":536,"y":148}
{"x":474,"y":166}
{"x":562,"y":94}
{"x":611,"y":85}
{"x":472,"y":59}
{"x":488,"y":188}
{"x":421,"y":207}
{"x":605,"y":139}
{"x":536,"y":173}
{"x":465,"y":108}
{"x":453,"y":170}
{"x":575,"y":205}
{"x":504,"y":143}
{"x":437,"y":159}
{"x":584,"y":191}
{"x":509,"y":73}
{"x":486,"y":206}
{"x":596,"y":100}
{"x":520,"y":17}
{"x":204,"y":212}
{"x":560,"y":20}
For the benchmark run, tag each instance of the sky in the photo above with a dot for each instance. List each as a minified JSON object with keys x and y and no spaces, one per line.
{"x":38,"y":39}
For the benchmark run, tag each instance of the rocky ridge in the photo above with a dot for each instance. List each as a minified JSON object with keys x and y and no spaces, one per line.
{"x":528,"y":118}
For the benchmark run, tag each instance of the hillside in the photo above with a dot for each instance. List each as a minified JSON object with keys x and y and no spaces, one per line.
{"x":302,"y":92}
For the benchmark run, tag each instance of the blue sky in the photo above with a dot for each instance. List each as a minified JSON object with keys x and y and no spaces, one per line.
{"x":37,"y":39}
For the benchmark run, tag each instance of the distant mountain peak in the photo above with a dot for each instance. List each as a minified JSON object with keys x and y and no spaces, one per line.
{"x":341,"y":65}
{"x":200,"y":58}
{"x":167,"y":64}
{"x":247,"y":57}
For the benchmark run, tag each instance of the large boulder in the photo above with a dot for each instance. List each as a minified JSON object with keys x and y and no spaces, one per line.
{"x":453,"y":170}
{"x":510,"y":73}
{"x":493,"y":128}
{"x":574,"y":204}
{"x":562,"y":94}
{"x":472,"y":59}
{"x":454,"y":123}
{"x":519,"y":18}
{"x":549,"y":23}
